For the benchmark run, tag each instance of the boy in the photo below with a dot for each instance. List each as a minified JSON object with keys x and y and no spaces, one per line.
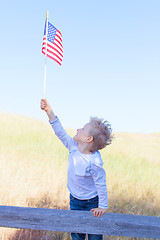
{"x":86,"y":177}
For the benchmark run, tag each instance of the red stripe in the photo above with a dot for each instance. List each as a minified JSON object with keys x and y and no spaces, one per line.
{"x":55,"y":50}
{"x":57,"y":46}
{"x":43,"y":48}
{"x":52,"y":58}
{"x":59,"y":37}
{"x":48,"y":44}
{"x":52,"y":53}
{"x":58,"y":42}
{"x":59,"y":32}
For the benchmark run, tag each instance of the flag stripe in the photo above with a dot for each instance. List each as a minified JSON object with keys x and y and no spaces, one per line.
{"x":52,"y":49}
{"x":58,"y":42}
{"x":54,"y":46}
{"x":54,"y":58}
{"x":54,"y":43}
{"x":59,"y":32}
{"x":59,"y":37}
{"x":52,"y":52}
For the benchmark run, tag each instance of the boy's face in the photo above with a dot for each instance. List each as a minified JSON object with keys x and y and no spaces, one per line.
{"x":83,"y":133}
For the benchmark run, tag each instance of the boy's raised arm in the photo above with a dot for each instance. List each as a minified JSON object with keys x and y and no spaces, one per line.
{"x":47,"y":108}
{"x":56,"y":125}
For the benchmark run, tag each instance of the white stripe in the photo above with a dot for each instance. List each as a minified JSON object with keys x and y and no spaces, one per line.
{"x":53,"y":56}
{"x":56,"y":54}
{"x":58,"y":43}
{"x":48,"y":48}
{"x":57,"y":39}
{"x":57,"y":33}
{"x":51,"y":49}
{"x":61,"y":51}
{"x":61,"y":48}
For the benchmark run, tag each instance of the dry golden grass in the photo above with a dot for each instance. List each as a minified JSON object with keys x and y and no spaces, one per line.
{"x":34,"y":172}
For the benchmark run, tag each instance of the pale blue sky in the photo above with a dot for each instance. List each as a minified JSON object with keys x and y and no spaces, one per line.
{"x":111,"y":65}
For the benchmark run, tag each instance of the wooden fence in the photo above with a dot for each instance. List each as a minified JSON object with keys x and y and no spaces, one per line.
{"x":114,"y":224}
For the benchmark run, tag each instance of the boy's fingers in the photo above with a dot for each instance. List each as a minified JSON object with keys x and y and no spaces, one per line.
{"x":97,"y":213}
{"x":94,"y":212}
{"x":43,"y":103}
{"x":43,"y":100}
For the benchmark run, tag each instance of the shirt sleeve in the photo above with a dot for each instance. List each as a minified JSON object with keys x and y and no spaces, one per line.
{"x":62,"y":134}
{"x":99,"y":177}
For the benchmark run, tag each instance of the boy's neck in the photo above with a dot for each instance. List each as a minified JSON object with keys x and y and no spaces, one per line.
{"x":84,"y":149}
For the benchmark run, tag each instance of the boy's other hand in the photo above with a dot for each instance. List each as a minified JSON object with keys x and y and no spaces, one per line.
{"x":97,"y":212}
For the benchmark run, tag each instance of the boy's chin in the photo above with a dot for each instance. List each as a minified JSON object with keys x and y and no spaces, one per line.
{"x":75,"y":138}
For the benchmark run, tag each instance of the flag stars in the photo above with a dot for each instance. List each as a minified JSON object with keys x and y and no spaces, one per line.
{"x":51,"y":32}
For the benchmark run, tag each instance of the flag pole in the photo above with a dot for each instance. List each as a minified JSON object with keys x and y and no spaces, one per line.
{"x":45,"y":55}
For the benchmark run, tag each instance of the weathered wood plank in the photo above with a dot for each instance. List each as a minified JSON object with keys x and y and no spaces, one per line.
{"x":80,"y":222}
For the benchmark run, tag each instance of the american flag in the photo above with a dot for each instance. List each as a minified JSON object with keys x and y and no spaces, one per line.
{"x":54,"y":43}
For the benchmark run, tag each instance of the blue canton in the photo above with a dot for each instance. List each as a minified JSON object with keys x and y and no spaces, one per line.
{"x":51,"y":32}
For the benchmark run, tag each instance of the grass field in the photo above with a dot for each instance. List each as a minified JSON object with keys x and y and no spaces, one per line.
{"x":33,"y":172}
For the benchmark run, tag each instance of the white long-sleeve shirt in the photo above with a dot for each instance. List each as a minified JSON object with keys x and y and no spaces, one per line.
{"x":86,"y":176}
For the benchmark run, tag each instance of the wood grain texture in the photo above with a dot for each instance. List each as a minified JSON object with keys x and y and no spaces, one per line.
{"x":115,"y":224}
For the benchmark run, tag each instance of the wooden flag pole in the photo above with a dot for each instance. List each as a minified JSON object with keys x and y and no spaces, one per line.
{"x":45,"y":55}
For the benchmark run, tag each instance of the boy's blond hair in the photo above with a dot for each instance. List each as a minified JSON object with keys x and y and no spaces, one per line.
{"x":101,"y":132}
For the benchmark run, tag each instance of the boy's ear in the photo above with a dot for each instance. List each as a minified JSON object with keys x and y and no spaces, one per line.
{"x":89,"y":139}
